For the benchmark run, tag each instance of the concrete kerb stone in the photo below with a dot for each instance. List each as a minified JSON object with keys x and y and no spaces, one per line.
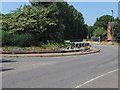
{"x":92,"y":50}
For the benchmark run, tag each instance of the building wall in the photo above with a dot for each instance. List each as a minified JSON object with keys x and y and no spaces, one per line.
{"x":109,"y":33}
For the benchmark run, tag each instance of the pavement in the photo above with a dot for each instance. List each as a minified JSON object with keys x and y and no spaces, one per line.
{"x":99,"y":70}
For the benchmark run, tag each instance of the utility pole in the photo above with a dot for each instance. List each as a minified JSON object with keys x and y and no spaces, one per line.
{"x":112,"y":26}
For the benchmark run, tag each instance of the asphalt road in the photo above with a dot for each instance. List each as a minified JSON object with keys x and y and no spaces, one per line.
{"x":63,"y":71}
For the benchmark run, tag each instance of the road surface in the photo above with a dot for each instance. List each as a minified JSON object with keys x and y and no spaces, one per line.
{"x":86,"y":71}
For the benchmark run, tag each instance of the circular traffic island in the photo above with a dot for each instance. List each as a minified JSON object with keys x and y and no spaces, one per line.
{"x":76,"y":48}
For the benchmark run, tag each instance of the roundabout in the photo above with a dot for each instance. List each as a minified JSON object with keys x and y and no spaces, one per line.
{"x":76,"y":48}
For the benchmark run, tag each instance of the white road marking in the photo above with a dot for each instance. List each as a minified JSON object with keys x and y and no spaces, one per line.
{"x":94,"y":79}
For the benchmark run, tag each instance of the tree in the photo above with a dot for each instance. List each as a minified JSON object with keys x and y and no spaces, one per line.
{"x":103,"y":21}
{"x":100,"y":26}
{"x":73,"y":20}
{"x":67,"y":16}
{"x":99,"y":32}
{"x":116,"y":29}
{"x":46,"y":21}
{"x":90,"y":31}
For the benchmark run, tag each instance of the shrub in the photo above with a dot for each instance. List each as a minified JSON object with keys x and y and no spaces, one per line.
{"x":21,"y":40}
{"x":6,"y":38}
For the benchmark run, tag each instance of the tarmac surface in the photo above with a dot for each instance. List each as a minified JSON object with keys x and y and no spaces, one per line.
{"x":98,"y":70}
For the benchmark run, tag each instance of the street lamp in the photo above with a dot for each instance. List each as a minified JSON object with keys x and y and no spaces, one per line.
{"x":112,"y":14}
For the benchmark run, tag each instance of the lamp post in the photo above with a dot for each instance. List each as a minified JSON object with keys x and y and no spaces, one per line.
{"x":112,"y":14}
{"x":112,"y":25}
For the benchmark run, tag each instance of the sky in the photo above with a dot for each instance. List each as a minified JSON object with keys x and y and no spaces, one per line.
{"x":90,"y":10}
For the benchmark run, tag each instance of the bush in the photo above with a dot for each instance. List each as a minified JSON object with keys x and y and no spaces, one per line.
{"x":21,"y":40}
{"x":52,"y":44}
{"x":6,"y":38}
{"x":27,"y":40}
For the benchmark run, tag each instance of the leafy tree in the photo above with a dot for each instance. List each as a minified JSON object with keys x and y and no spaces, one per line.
{"x":73,"y":20}
{"x":45,"y":21}
{"x":90,"y":31}
{"x":116,"y":29}
{"x":99,"y":31}
{"x":103,"y":21}
{"x":100,"y":26}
